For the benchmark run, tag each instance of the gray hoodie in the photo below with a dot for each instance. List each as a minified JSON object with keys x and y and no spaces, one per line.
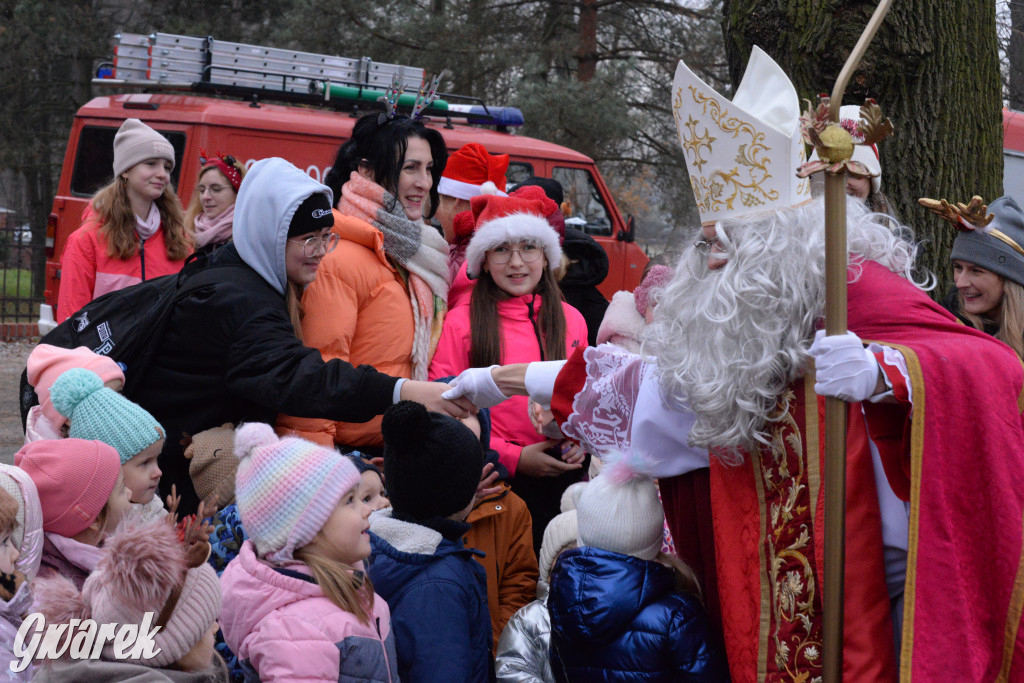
{"x":270,"y":193}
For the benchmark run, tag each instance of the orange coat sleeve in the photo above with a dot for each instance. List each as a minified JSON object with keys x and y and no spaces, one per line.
{"x":518,"y":585}
{"x":331,"y":330}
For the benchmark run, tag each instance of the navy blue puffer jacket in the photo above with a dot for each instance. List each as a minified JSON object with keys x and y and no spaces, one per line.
{"x":618,"y":618}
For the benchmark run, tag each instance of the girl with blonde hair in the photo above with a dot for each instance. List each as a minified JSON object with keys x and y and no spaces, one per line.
{"x":132,"y":230}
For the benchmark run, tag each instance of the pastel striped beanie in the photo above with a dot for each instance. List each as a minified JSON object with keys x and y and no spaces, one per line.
{"x":286,"y":489}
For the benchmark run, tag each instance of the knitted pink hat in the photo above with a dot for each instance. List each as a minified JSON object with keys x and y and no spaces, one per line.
{"x":141,"y":568}
{"x":46,"y":363}
{"x":286,"y":489}
{"x":74,"y":479}
{"x":657,"y":277}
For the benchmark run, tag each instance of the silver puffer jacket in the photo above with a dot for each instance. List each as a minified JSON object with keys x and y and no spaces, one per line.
{"x":522,"y":655}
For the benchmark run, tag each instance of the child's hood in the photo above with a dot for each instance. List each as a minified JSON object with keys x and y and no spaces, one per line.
{"x":595,"y":594}
{"x":28,"y":537}
{"x":401,"y":549}
{"x":267,"y":200}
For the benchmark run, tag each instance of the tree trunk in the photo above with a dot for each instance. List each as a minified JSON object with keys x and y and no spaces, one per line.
{"x":934,"y":69}
{"x":587,"y":56}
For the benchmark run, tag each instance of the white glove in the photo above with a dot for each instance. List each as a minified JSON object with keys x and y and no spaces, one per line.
{"x":843,"y":367}
{"x":476,"y":384}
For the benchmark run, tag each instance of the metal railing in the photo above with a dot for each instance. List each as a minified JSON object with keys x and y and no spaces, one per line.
{"x":22,"y":270}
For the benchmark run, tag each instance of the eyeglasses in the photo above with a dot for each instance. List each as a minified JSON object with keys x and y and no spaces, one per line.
{"x":311,"y":246}
{"x":707,"y":246}
{"x":528,"y":252}
{"x":215,"y":189}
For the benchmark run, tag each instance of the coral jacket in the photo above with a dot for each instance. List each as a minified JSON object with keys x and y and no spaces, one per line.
{"x":357,"y":309}
{"x":88,"y":272}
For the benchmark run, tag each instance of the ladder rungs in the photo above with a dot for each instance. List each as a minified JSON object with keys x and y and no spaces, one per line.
{"x":171,"y":40}
{"x":350,"y":72}
{"x":183,"y":54}
{"x":132,"y":51}
{"x":132,"y":39}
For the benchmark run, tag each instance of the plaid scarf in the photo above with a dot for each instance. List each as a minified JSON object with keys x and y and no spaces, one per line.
{"x":416,"y":247}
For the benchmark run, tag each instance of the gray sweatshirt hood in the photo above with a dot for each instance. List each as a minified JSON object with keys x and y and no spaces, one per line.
{"x":270,"y":193}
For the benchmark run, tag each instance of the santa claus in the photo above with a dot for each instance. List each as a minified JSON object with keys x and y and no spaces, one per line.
{"x":731,"y":377}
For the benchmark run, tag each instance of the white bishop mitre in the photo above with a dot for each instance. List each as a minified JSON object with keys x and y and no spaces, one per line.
{"x":742,"y":155}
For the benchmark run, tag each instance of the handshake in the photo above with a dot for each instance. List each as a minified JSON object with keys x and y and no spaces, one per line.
{"x":476,"y":385}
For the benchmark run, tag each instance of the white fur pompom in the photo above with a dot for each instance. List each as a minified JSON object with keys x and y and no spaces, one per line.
{"x":251,"y":435}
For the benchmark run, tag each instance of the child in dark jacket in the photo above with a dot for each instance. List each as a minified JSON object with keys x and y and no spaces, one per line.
{"x":436,"y":590}
{"x":620,"y":609}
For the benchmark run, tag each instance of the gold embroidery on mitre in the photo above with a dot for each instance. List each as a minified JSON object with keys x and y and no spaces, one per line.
{"x":746,"y":179}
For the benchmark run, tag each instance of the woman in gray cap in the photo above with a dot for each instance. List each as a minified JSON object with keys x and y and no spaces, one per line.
{"x":988,"y":266}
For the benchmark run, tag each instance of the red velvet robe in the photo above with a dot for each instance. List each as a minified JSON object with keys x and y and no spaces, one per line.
{"x":960,"y":464}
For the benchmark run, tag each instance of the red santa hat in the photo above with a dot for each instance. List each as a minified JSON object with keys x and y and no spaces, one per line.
{"x":471,"y":171}
{"x":510,"y":219}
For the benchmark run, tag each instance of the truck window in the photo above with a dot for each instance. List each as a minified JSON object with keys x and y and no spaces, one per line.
{"x":517,"y":172}
{"x":94,"y":158}
{"x":587,"y":209}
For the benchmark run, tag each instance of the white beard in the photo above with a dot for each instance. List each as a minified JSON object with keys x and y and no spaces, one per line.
{"x":729,"y":342}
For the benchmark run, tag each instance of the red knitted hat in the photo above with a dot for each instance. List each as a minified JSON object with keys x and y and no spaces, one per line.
{"x":74,"y":478}
{"x":469,"y":169}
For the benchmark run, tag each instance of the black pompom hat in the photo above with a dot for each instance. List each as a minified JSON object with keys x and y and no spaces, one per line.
{"x":432,"y":462}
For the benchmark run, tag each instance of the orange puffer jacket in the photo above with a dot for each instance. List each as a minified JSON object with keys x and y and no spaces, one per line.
{"x":357,"y":309}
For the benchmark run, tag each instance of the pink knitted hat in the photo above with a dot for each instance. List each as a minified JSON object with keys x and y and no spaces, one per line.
{"x":139,"y":570}
{"x":46,"y":363}
{"x":286,"y":489}
{"x":74,"y":479}
{"x":657,"y":277}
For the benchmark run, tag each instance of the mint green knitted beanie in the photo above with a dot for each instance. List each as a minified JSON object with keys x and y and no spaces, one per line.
{"x":101,"y":414}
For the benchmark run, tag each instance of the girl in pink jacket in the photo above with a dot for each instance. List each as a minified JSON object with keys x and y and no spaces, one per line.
{"x":132,"y":229}
{"x":516,"y":314}
{"x":297,"y":605}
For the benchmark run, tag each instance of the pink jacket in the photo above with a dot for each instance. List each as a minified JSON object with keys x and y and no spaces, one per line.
{"x":462,"y":287}
{"x":510,"y":423}
{"x":278,"y":620}
{"x":87,"y":272}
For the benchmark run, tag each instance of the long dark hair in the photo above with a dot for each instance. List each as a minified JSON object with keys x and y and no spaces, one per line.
{"x":485,"y":325}
{"x":382,"y":147}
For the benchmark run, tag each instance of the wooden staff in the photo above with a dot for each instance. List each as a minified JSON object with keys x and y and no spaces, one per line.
{"x":835,"y":409}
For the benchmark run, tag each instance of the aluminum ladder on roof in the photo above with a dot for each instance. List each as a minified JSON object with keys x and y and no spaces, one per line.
{"x":178,"y":61}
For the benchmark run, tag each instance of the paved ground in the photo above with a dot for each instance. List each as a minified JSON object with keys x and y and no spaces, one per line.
{"x":12,"y":362}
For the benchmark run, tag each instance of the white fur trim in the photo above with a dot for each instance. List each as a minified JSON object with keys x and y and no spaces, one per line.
{"x":404,"y":536}
{"x":511,"y":228}
{"x":463,"y":190}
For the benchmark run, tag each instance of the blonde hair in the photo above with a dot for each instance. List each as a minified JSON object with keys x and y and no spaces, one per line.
{"x":195,"y":207}
{"x":1010,"y":317}
{"x":686,"y":579}
{"x":118,"y":222}
{"x":293,"y":302}
{"x":8,"y":512}
{"x":348,"y":589}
